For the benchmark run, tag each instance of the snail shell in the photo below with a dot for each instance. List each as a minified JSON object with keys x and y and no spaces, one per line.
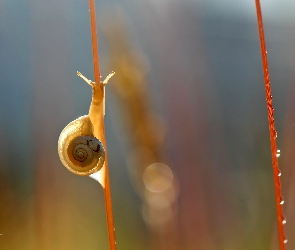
{"x":79,"y":151}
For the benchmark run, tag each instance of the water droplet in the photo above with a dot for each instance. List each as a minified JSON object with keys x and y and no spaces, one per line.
{"x":282,"y":201}
{"x":280,"y":173}
{"x":284,"y":221}
{"x":285,"y":241}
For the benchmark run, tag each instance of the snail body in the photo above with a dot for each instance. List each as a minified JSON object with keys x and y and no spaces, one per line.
{"x":78,"y":149}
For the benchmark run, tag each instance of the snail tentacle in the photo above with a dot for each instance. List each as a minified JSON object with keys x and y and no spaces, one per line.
{"x":91,"y":83}
{"x":105,"y":81}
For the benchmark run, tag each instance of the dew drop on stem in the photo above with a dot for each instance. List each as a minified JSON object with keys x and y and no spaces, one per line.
{"x":279,"y":173}
{"x":282,"y":201}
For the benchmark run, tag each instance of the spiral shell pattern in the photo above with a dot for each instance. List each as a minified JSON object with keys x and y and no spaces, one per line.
{"x":79,"y":151}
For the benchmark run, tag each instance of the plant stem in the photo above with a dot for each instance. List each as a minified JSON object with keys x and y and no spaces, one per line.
{"x":99,"y":128}
{"x":272,"y":131}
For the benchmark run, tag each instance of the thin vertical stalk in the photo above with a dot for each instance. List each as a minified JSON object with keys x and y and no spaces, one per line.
{"x":99,"y":130}
{"x":94,"y":41}
{"x":272,"y":131}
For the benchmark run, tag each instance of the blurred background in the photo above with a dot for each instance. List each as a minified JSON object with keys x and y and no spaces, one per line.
{"x":186,"y":124}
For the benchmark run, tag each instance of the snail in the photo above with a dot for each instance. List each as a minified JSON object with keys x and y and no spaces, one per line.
{"x":79,"y":150}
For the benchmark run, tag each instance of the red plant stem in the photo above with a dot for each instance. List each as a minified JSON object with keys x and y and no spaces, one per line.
{"x":272,"y":131}
{"x":94,"y":41}
{"x":100,"y":91}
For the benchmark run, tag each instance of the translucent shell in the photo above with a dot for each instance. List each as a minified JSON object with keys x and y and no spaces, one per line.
{"x":79,"y":151}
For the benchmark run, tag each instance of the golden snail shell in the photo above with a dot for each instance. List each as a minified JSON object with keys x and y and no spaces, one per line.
{"x":79,"y":151}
